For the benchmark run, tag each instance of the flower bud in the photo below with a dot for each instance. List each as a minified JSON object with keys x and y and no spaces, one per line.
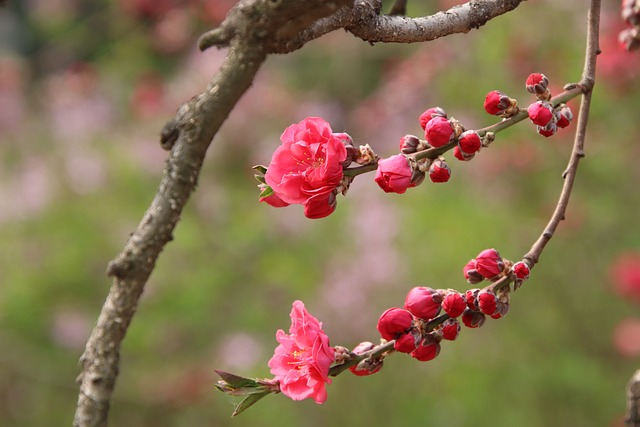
{"x":394,"y":322}
{"x":489,"y":263}
{"x":541,"y":113}
{"x":630,"y":11}
{"x":473,"y":319}
{"x":487,"y":302}
{"x":439,"y":171}
{"x":450,"y":329}
{"x":409,"y":144}
{"x":394,"y":174}
{"x":365,"y":366}
{"x":471,"y":298}
{"x":471,"y":273}
{"x":496,"y":103}
{"x":629,"y":39}
{"x":469,"y":142}
{"x":406,"y":343}
{"x":548,"y":130}
{"x":502,"y":308}
{"x":428,"y":349}
{"x":423,"y":302}
{"x":430,"y":114}
{"x":439,"y":131}
{"x":521,"y":270}
{"x":564,"y":116}
{"x":537,"y":83}
{"x":463,"y":157}
{"x":454,"y":304}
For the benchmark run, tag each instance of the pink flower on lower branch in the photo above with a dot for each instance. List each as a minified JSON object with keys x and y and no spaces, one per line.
{"x":307,"y":167}
{"x":302,"y":360}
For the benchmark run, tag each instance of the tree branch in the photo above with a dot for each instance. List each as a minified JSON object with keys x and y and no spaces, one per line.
{"x":198,"y":121}
{"x":362,"y":18}
{"x":586,"y":83}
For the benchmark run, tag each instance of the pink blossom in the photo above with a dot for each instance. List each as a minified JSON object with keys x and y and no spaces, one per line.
{"x":307,"y":167}
{"x":394,"y":174}
{"x":302,"y":360}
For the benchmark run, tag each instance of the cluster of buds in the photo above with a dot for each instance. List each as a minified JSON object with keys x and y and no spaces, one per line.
{"x":629,"y":38}
{"x":431,"y":315}
{"x":409,"y":326}
{"x":547,"y":117}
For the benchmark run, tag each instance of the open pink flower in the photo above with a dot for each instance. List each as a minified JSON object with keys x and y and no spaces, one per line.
{"x":307,"y":167}
{"x":302,"y":360}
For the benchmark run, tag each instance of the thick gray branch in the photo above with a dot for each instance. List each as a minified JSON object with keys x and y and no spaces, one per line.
{"x":199,"y":120}
{"x":363,"y":19}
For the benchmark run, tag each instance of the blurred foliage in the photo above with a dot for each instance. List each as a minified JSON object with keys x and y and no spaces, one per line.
{"x":84,"y":90}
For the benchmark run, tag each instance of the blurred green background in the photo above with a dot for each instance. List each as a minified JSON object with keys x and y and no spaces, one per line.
{"x":85,"y":88}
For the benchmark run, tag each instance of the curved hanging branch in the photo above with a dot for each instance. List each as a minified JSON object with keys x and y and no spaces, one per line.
{"x":253,"y":29}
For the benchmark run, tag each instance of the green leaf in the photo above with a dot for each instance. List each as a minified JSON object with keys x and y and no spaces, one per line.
{"x":260,"y":178}
{"x":247,"y":402}
{"x":236,"y":381}
{"x":260,"y":168}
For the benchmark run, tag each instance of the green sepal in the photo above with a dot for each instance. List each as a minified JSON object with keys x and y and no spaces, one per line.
{"x":260,"y":178}
{"x":266,"y":192}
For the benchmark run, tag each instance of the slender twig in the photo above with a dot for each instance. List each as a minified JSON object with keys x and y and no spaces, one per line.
{"x":586,"y":84}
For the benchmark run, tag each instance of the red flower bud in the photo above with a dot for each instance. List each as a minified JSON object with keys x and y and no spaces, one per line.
{"x":496,"y":103}
{"x":454,"y":304}
{"x":439,"y":171}
{"x":502,"y":309}
{"x":394,"y":174}
{"x":471,"y":298}
{"x":487,"y":302}
{"x":541,"y":113}
{"x":409,"y":144}
{"x":428,"y":349}
{"x":458,"y":154}
{"x":489,"y":263}
{"x":469,"y":142}
{"x":394,"y":322}
{"x":548,"y":130}
{"x":439,"y":131}
{"x":405,"y":344}
{"x":521,"y":270}
{"x":471,"y":273}
{"x":365,"y":366}
{"x":564,"y":116}
{"x":423,"y":302}
{"x":537,"y":83}
{"x":430,"y":114}
{"x":473,"y":319}
{"x":630,"y":11}
{"x":450,"y":329}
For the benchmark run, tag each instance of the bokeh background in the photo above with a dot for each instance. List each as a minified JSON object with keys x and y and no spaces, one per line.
{"x":85,"y":87}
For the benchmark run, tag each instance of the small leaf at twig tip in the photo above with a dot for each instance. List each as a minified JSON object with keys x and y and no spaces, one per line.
{"x":260,"y":168}
{"x":236,"y":381}
{"x":247,"y":402}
